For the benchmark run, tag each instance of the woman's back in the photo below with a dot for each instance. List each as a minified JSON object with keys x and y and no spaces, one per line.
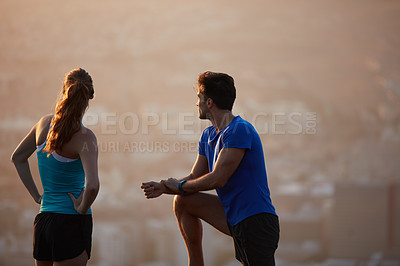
{"x":60,"y":172}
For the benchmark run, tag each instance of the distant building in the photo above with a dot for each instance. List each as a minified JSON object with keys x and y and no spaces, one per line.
{"x":365,"y":221}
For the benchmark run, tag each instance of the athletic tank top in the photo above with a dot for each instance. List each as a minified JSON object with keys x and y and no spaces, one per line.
{"x":59,"y":176}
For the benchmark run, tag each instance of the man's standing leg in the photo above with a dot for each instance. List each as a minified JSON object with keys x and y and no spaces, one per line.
{"x":256,"y":239}
{"x":189,"y":209}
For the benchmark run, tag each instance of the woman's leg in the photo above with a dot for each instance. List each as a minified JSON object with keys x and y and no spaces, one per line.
{"x":80,"y":260}
{"x":43,"y":263}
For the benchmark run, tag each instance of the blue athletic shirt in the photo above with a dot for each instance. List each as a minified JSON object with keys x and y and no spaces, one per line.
{"x":60,"y":176}
{"x":246,"y":193}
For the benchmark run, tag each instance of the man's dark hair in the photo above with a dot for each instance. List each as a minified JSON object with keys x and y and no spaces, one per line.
{"x":219,"y":87}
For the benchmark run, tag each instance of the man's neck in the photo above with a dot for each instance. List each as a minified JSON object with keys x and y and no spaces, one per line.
{"x":221,"y":119}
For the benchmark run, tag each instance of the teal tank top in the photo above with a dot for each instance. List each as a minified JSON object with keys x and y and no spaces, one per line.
{"x":59,"y":176}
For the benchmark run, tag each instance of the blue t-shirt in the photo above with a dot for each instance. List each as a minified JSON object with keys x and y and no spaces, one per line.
{"x":246,"y":193}
{"x":59,"y":176}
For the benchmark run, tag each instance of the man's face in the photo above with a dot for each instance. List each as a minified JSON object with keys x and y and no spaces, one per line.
{"x":202,"y":105}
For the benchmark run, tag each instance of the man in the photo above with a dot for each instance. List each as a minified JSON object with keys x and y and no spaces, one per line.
{"x":230,"y":160}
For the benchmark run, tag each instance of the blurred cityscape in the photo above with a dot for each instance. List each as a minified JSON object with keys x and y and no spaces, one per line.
{"x":320,"y":81}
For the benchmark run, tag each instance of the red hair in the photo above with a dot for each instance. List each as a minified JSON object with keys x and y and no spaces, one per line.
{"x":73,"y":101}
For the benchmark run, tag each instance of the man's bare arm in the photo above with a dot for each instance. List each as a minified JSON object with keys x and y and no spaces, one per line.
{"x":155,"y":189}
{"x":227,"y":163}
{"x":200,"y":168}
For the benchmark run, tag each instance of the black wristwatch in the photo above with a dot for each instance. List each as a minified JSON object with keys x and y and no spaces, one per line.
{"x":180,"y":187}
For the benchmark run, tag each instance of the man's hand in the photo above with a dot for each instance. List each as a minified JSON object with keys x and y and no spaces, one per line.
{"x":172,"y":185}
{"x":152,"y":189}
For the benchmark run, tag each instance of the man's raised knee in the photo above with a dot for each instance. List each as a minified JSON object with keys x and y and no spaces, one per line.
{"x":179,"y":204}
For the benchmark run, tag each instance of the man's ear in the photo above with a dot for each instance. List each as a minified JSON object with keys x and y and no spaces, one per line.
{"x":209,"y":102}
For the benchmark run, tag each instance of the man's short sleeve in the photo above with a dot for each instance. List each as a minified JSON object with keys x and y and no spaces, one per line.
{"x":238,"y":136}
{"x":202,"y":143}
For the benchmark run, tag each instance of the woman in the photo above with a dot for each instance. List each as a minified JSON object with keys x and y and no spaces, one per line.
{"x":67,"y":158}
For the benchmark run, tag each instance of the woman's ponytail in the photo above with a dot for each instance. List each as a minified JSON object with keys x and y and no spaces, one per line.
{"x":76,"y":92}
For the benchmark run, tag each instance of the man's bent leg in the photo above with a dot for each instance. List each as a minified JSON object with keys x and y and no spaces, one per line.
{"x":189,"y":209}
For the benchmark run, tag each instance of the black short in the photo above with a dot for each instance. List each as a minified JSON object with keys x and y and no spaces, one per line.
{"x":256,"y":239}
{"x":61,"y":236}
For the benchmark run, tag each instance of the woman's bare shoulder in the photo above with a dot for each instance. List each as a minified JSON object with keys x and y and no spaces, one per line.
{"x":85,"y":135}
{"x":42,"y":127}
{"x":45,"y":120}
